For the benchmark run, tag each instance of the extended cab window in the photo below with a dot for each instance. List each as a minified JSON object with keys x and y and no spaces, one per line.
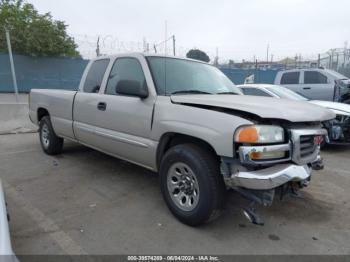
{"x":290,"y":78}
{"x":125,"y":69}
{"x":254,"y":92}
{"x":95,"y":75}
{"x":314,"y":77}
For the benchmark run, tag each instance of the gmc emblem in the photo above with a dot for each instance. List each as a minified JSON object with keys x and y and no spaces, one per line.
{"x":318,"y":140}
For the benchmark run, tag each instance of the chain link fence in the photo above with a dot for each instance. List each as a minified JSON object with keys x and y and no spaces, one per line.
{"x":92,"y":46}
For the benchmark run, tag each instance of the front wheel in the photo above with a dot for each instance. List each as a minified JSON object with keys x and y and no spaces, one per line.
{"x":50,"y":142}
{"x":191,"y":184}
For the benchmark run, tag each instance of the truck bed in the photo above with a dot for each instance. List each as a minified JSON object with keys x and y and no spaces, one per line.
{"x":60,"y":105}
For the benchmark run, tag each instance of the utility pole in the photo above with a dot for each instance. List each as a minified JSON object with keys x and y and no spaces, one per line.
{"x":216,"y":60}
{"x":98,"y":47}
{"x":267,"y":53}
{"x":165,"y":37}
{"x":174,"y":45}
{"x":337,"y":61}
{"x":144,"y":44}
{"x":11,"y":63}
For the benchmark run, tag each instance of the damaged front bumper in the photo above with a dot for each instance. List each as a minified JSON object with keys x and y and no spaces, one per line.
{"x":268,"y":178}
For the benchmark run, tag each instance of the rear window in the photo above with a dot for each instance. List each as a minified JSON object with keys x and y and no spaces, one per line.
{"x":254,"y":92}
{"x":314,"y":77}
{"x":95,"y":75}
{"x":290,"y":78}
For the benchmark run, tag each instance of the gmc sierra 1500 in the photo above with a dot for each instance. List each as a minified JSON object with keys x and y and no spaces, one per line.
{"x":187,"y":121}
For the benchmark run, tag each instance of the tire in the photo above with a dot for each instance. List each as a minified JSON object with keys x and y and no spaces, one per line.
{"x":50,"y":142}
{"x":196,"y":195}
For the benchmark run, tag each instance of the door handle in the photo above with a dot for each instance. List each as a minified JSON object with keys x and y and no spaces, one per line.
{"x":306,"y":88}
{"x":102,"y":106}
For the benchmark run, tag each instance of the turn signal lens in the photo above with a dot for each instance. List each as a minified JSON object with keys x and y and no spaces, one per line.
{"x":248,"y":135}
{"x":267,"y":155}
{"x":256,"y":134}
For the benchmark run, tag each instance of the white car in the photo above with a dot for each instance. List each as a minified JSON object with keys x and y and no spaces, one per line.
{"x":316,"y":84}
{"x":6,"y":253}
{"x":338,"y":128}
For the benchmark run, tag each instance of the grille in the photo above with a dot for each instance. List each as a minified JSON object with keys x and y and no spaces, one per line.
{"x":307,"y":145}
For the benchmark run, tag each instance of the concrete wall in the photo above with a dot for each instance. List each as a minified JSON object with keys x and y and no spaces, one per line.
{"x":43,"y":72}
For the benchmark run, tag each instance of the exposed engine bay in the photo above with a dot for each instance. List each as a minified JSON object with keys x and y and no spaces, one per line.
{"x":338,"y":130}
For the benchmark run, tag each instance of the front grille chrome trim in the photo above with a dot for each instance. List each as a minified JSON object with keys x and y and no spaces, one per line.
{"x":244,"y":154}
{"x":301,"y":153}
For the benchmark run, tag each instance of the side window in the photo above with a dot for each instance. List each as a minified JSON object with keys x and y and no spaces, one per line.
{"x":290,"y":78}
{"x":314,"y":77}
{"x":95,"y":75}
{"x":125,"y":69}
{"x":254,"y":92}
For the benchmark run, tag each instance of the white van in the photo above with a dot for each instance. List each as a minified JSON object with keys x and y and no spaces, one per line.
{"x":313,"y":83}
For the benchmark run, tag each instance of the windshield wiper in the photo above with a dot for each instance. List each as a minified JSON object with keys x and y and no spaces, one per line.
{"x":227,"y":93}
{"x":190,"y":91}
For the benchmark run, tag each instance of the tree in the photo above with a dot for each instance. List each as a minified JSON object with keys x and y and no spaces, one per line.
{"x":198,"y":55}
{"x":32,"y":33}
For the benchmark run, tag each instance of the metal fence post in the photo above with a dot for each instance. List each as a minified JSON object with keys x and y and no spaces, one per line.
{"x":12,"y":64}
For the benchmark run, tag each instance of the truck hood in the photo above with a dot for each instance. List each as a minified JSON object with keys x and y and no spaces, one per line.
{"x":264,"y":107}
{"x":338,"y":108}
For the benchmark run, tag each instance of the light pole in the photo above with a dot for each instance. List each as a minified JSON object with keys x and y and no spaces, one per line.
{"x":267,"y":53}
{"x":11,"y":63}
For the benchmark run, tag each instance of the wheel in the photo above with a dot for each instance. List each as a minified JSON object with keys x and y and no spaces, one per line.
{"x":50,"y":142}
{"x":191,"y":184}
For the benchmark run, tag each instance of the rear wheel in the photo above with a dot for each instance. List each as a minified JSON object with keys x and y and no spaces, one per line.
{"x":50,"y":142}
{"x":191,"y":184}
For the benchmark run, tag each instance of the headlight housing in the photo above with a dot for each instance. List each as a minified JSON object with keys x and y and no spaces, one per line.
{"x":259,"y":134}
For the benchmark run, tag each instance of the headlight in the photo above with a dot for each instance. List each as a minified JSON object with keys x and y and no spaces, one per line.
{"x":259,"y":134}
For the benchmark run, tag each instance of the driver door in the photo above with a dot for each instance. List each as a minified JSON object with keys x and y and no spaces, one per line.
{"x":123,"y":125}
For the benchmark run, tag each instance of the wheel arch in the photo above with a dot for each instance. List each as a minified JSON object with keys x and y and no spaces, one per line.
{"x":171,"y":139}
{"x":41,"y":112}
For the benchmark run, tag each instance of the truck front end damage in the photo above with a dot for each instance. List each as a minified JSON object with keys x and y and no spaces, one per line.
{"x":338,"y":129}
{"x":259,"y":171}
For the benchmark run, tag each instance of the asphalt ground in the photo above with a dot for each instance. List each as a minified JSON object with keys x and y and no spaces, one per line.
{"x":86,"y":202}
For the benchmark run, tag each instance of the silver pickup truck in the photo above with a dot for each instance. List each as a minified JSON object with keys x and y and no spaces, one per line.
{"x":187,"y":121}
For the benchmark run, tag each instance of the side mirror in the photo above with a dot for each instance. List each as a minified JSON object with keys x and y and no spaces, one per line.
{"x":131,"y":88}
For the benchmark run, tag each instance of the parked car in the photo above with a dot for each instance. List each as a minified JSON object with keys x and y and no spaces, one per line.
{"x":338,"y":128}
{"x":187,"y":121}
{"x":316,"y":84}
{"x":6,"y":253}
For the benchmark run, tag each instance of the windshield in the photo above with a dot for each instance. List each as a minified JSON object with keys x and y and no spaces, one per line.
{"x":173,"y":75}
{"x":283,"y":92}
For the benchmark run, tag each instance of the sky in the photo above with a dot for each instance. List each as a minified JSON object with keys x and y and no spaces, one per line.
{"x":236,"y":29}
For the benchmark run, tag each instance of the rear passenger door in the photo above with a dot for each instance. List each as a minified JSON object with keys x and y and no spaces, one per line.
{"x":292,"y":80}
{"x":317,"y":86}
